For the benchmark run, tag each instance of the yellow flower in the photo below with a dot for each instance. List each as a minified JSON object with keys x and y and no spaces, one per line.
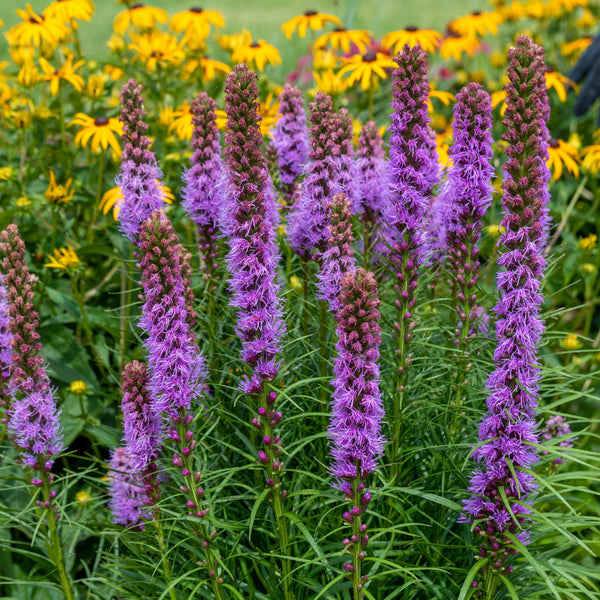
{"x":453,"y":45}
{"x":588,"y":268}
{"x":43,"y":113}
{"x":444,"y":97}
{"x":78,"y":388}
{"x":64,"y":258}
{"x":112,"y":199}
{"x":257,"y":53}
{"x":587,"y":244}
{"x":560,"y":83}
{"x":140,"y":16}
{"x":576,"y":47}
{"x":95,"y":86}
{"x":495,"y":230}
{"x":324,"y":59}
{"x":296,"y":283}
{"x":82,"y":497}
{"x":513,"y":11}
{"x":557,"y":7}
{"x":499,"y":97}
{"x":364,"y":67}
{"x":156,"y":48}
{"x":559,"y":153}
{"x":591,"y":158}
{"x":182,"y":125}
{"x":586,"y":20}
{"x":23,"y":201}
{"x":443,"y":141}
{"x":22,"y":119}
{"x":220,"y":119}
{"x":269,"y":111}
{"x":6,"y":173}
{"x":166,"y":116}
{"x":28,"y":75}
{"x":344,"y":38}
{"x":196,"y":23}
{"x":411,"y":35}
{"x":100,"y":130}
{"x":66,"y":72}
{"x":231,"y":42}
{"x":22,"y":54}
{"x":116,"y":43}
{"x":477,"y":23}
{"x":329,"y":82}
{"x":570,"y":342}
{"x":113,"y":72}
{"x":66,"y":10}
{"x":575,"y":141}
{"x":310,"y":19}
{"x":59,"y":194}
{"x":36,"y":29}
{"x":208,"y":68}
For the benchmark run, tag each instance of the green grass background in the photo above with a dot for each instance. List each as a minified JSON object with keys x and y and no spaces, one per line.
{"x":265,"y":17}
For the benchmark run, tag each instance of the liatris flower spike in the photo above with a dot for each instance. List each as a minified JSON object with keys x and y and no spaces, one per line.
{"x":357,"y":410}
{"x":5,"y":354}
{"x":502,"y":488}
{"x":139,"y":176}
{"x":342,"y":156}
{"x":557,"y":426}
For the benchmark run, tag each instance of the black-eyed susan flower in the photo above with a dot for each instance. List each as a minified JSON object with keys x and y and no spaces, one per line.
{"x":67,"y":10}
{"x":157,"y":49}
{"x":196,"y":22}
{"x":182,"y":123}
{"x":100,"y":130}
{"x":411,"y":35}
{"x":329,"y":82}
{"x":562,"y":153}
{"x":444,"y":97}
{"x":79,"y":388}
{"x":591,"y":158}
{"x":311,"y":19}
{"x":570,"y":342}
{"x":66,"y":73}
{"x":141,"y":16}
{"x":112,"y":199}
{"x":256,"y":53}
{"x":206,"y":67}
{"x":560,"y":83}
{"x":268,"y":109}
{"x":94,"y":88}
{"x":232,"y":41}
{"x":345,"y":39}
{"x":576,"y":47}
{"x":324,"y":59}
{"x":59,"y":194}
{"x":36,"y":29}
{"x":114,"y":73}
{"x":586,"y":20}
{"x":6,"y":173}
{"x":477,"y":23}
{"x":454,"y":44}
{"x":363,"y":67}
{"x":63,"y":258}
{"x":22,"y":54}
{"x":28,"y":75}
{"x":588,"y":243}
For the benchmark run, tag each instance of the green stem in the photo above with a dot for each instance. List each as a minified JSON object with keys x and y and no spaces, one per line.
{"x":63,"y":131}
{"x":356,"y":546}
{"x":305,"y":276}
{"x":323,"y":364}
{"x":163,"y":553}
{"x":92,"y":226}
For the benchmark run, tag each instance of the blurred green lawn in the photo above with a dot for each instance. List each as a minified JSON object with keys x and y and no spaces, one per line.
{"x":264,"y":17}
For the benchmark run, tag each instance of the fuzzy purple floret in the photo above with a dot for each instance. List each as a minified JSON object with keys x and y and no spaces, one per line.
{"x":338,"y":258}
{"x":342,"y":156}
{"x":5,"y":350}
{"x":413,"y":156}
{"x":253,"y":253}
{"x":291,"y":139}
{"x":139,"y":176}
{"x":142,"y":426}
{"x":176,"y":364}
{"x":357,"y":409}
{"x":128,"y":501}
{"x":557,"y":426}
{"x":510,"y":428}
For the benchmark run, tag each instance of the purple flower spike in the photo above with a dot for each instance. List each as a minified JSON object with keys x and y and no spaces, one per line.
{"x":5,"y":350}
{"x":307,"y":226}
{"x":557,"y":426}
{"x":253,"y":254}
{"x":139,"y":176}
{"x":203,"y":191}
{"x":342,"y":156}
{"x":291,"y":140}
{"x":509,"y":430}
{"x":177,"y":366}
{"x":338,"y":258}
{"x":33,"y":417}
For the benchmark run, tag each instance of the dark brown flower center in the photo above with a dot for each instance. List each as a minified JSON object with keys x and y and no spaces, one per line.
{"x":411,"y":28}
{"x":369,"y":56}
{"x":254,"y":45}
{"x":339,"y":30}
{"x":196,"y":9}
{"x":476,"y":13}
{"x":553,"y":143}
{"x":310,"y":13}
{"x":136,"y":5}
{"x":100,"y":121}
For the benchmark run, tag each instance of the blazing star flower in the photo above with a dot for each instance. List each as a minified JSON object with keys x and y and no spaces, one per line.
{"x":113,"y":198}
{"x":501,"y":488}
{"x":101,"y":131}
{"x":557,"y":426}
{"x":342,"y":155}
{"x":428,"y":39}
{"x":5,"y":350}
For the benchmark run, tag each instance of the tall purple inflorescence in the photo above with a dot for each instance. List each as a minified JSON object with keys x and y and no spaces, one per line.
{"x":33,"y":417}
{"x":342,"y":156}
{"x":338,"y":257}
{"x":5,"y":351}
{"x":291,"y":140}
{"x":139,"y":176}
{"x":509,"y":430}
{"x":357,"y":410}
{"x":203,"y":191}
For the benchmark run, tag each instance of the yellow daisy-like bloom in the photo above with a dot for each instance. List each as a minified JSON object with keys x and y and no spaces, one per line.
{"x":257,"y":53}
{"x":113,"y":72}
{"x":269,"y":111}
{"x":443,"y":140}
{"x":477,"y":23}
{"x":444,"y":97}
{"x":231,"y":42}
{"x":310,"y":19}
{"x":589,"y":269}
{"x":576,"y":47}
{"x":557,"y":7}
{"x":221,"y":119}
{"x":157,"y":49}
{"x":28,"y":75}
{"x":141,"y":16}
{"x":182,"y":125}
{"x":22,"y":119}
{"x":453,"y":45}
{"x":166,"y":116}
{"x":22,"y":54}
{"x":411,"y":35}
{"x":196,"y":23}
{"x":324,"y":59}
{"x":296,"y":284}
{"x":36,"y":29}
{"x":82,"y":497}
{"x":562,"y":153}
{"x":560,"y":83}
{"x":79,"y":389}
{"x":495,"y":230}
{"x":591,"y":158}
{"x":329,"y":82}
{"x":587,"y":244}
{"x":59,"y":194}
{"x":498,"y":98}
{"x":586,"y":20}
{"x":364,"y":67}
{"x":207,"y":68}
{"x":5,"y":173}
{"x":66,"y":72}
{"x":512,"y":12}
{"x":112,"y":199}
{"x":344,"y":38}
{"x":94,"y":88}
{"x":100,"y":130}
{"x":66,"y":10}
{"x":570,"y":342}
{"x":64,"y":258}
{"x":116,"y":43}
